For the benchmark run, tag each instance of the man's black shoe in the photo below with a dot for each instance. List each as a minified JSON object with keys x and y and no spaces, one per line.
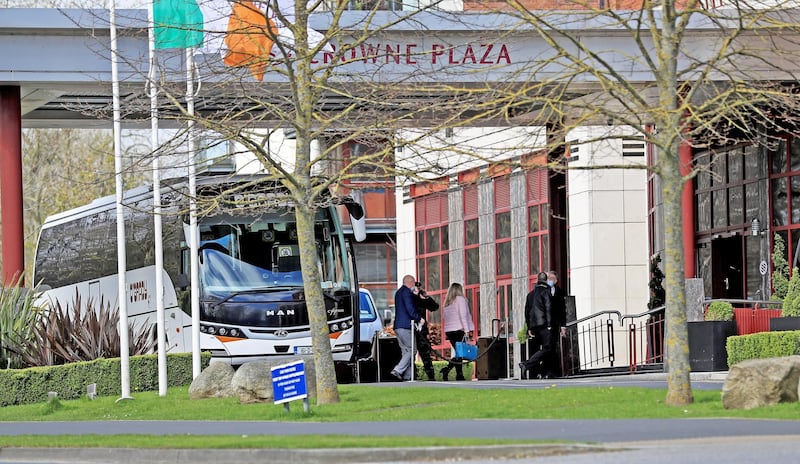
{"x":523,"y":371}
{"x":396,"y":375}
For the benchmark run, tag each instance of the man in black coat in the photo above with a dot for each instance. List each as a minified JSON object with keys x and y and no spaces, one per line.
{"x":539,"y":321}
{"x":558,"y":311}
{"x":424,"y":303}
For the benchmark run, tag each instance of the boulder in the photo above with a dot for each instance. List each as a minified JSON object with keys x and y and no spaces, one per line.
{"x":213,"y":382}
{"x":252,"y":382}
{"x":762,"y":382}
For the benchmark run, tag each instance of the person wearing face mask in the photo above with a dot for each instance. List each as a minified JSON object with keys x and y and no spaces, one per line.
{"x":558,"y":312}
{"x":538,"y":320}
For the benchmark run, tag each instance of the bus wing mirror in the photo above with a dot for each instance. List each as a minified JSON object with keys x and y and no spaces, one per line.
{"x":182,"y":281}
{"x":358,"y":215}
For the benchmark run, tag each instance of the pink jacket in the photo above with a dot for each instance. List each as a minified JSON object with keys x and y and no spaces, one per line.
{"x":457,"y":316}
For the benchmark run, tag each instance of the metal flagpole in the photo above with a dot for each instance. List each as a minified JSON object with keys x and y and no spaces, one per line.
{"x":193,"y":233}
{"x":124,"y":349}
{"x":157,"y":229}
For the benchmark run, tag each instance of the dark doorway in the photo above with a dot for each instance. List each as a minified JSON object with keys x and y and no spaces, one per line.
{"x":727,"y":268}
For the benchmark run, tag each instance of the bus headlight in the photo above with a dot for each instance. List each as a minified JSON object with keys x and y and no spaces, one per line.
{"x":334,"y":327}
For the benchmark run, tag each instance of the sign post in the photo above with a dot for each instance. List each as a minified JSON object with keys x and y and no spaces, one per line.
{"x":289,"y":383}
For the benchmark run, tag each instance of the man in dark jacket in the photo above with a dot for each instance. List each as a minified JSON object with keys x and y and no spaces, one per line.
{"x":558,"y":312}
{"x":405,"y":315}
{"x":424,"y":303}
{"x":539,"y":321}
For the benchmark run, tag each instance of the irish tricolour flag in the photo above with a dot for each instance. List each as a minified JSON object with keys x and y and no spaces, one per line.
{"x":243,"y":31}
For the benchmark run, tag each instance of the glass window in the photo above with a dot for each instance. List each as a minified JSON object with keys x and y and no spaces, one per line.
{"x":719,"y":169}
{"x":504,"y":258}
{"x":704,"y":266}
{"x":751,"y":162}
{"x":736,"y":205}
{"x":753,"y":259}
{"x":704,"y":211}
{"x":432,"y":240}
{"x":445,"y":238}
{"x":473,"y":265}
{"x":795,"y":199}
{"x":795,"y":154}
{"x":503,"y":225}
{"x":720,"y":211}
{"x":471,"y":234}
{"x":778,"y":156}
{"x":752,"y":201}
{"x":735,"y":165}
{"x":533,"y":218}
{"x":780,"y":202}
{"x":433,"y":279}
{"x":421,"y":242}
{"x":533,"y":255}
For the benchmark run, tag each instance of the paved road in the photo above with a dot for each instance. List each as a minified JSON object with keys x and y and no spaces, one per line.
{"x":598,"y":441}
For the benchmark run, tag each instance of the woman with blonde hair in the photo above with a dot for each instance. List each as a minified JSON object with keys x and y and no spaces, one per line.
{"x":457,"y":324}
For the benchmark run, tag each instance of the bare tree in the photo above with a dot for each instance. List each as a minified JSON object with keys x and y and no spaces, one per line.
{"x":679,"y":74}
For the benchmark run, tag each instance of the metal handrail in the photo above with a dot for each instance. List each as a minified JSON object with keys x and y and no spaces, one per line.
{"x":592,"y":316}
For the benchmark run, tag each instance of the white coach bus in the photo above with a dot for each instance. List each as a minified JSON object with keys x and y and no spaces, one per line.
{"x":252,"y":302}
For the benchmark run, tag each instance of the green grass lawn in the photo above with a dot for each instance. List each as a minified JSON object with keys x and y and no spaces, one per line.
{"x":371,"y":403}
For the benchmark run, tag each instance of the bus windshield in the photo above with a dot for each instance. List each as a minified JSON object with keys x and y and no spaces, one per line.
{"x":242,"y":256}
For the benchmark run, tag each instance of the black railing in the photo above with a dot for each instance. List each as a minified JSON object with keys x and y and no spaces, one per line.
{"x":589,"y":343}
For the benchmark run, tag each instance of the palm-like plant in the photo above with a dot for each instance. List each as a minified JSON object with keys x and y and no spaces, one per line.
{"x":18,"y":315}
{"x":82,"y":332}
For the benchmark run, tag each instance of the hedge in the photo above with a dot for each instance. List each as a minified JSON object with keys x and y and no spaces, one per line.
{"x":762,"y":345}
{"x":23,"y":386}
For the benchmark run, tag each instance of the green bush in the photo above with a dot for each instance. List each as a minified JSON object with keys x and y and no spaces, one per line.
{"x":762,"y":345}
{"x":18,"y":316}
{"x":780,"y":275}
{"x":719,"y":311}
{"x":23,"y":386}
{"x":791,"y":303}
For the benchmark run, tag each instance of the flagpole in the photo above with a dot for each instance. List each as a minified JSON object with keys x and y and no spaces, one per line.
{"x":157,"y":226}
{"x":124,"y":349}
{"x":193,"y":233}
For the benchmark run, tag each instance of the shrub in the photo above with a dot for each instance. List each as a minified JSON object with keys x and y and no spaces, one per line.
{"x":780,"y":274}
{"x":719,"y":311}
{"x":61,"y":335}
{"x":18,"y":315}
{"x":791,"y":302}
{"x":24,"y":386}
{"x":762,"y":345}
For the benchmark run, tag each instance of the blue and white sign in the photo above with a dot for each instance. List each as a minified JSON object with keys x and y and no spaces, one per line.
{"x":289,"y":382}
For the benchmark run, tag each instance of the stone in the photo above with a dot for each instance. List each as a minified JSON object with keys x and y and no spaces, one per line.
{"x":213,"y":382}
{"x":762,"y":382}
{"x":252,"y":382}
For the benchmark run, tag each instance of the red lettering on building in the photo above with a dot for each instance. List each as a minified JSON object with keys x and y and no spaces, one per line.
{"x":469,"y":55}
{"x":438,"y":50}
{"x":410,"y":53}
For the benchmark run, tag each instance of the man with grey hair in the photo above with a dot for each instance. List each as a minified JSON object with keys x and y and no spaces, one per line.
{"x":405,"y":314}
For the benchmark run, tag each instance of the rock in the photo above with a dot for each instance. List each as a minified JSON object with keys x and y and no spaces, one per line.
{"x":213,"y":382}
{"x":762,"y":382}
{"x":252,"y":382}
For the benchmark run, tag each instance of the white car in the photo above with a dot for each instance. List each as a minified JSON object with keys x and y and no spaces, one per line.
{"x":370,"y":321}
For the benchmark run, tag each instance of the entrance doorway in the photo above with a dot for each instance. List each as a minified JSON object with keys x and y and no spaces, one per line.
{"x":727,"y":268}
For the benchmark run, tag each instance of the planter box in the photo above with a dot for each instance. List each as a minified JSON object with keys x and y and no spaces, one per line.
{"x":780,"y":324}
{"x":707,"y":351}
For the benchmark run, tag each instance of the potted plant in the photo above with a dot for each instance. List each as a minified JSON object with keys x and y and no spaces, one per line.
{"x":790,"y":312}
{"x":707,"y":338}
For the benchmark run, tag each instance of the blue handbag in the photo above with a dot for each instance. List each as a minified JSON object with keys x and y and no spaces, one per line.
{"x":466,"y":351}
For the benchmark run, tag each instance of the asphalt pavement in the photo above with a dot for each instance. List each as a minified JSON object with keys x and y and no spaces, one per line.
{"x":582,"y":438}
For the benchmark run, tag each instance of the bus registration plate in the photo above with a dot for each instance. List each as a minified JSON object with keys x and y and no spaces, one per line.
{"x":302,"y":350}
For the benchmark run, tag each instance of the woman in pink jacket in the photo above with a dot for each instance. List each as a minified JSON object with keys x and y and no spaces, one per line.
{"x":457,"y":324}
